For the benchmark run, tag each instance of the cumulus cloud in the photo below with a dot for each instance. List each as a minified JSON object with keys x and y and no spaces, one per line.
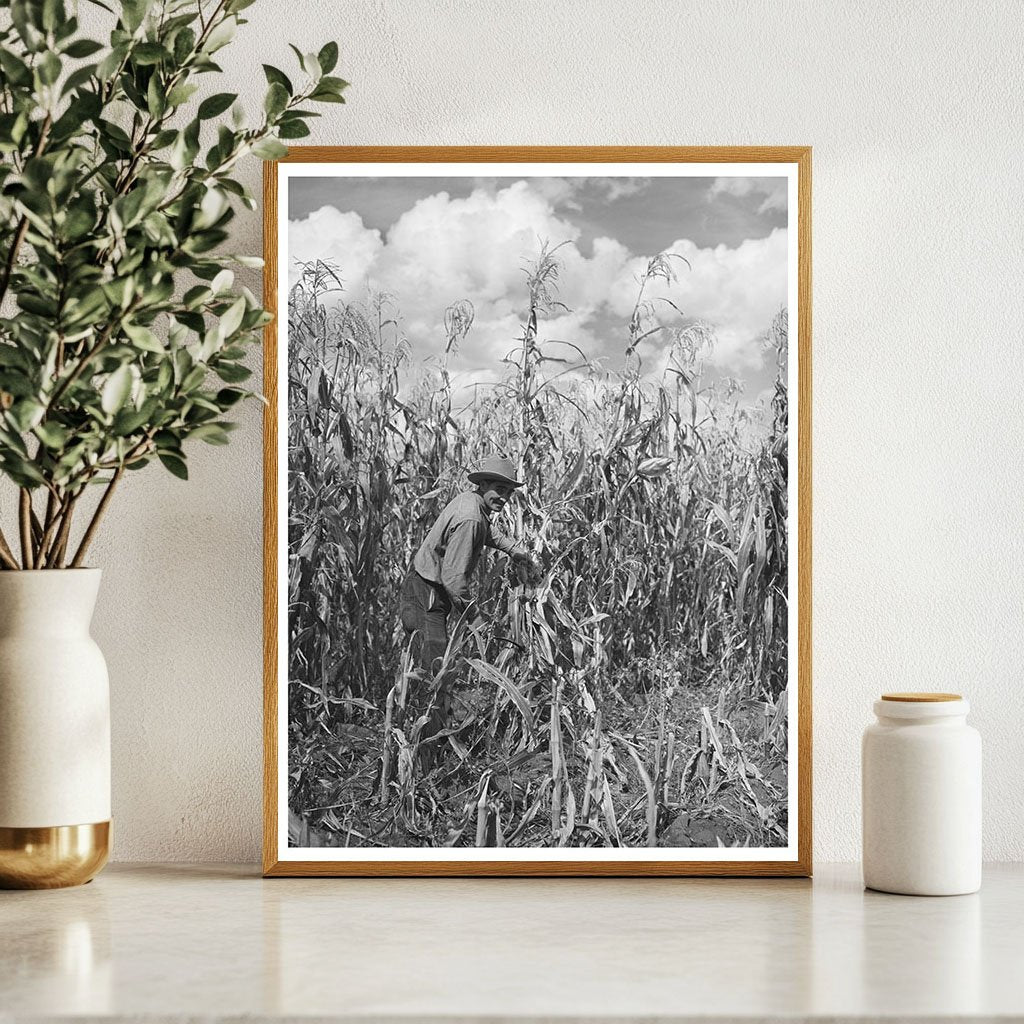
{"x":566,"y":192}
{"x":738,"y":291}
{"x":444,"y":249}
{"x":332,"y":236}
{"x":617,"y":188}
{"x":774,"y":192}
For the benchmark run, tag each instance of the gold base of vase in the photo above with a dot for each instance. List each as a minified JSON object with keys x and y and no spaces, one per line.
{"x":51,"y":858}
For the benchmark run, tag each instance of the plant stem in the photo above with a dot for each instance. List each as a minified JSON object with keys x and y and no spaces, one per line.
{"x":51,"y":510}
{"x":25,"y":522}
{"x":60,"y":545}
{"x":55,"y":507}
{"x":37,"y":530}
{"x":6,"y":555}
{"x":90,"y":531}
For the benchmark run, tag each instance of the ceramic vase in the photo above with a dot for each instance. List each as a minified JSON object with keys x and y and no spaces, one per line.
{"x":54,"y":731}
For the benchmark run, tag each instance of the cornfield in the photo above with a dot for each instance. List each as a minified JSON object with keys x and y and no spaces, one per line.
{"x":637,"y":694}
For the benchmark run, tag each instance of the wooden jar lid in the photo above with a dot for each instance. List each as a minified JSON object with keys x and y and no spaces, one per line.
{"x":921,"y":698}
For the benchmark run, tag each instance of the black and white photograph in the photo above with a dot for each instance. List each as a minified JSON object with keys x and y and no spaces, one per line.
{"x":537,"y":512}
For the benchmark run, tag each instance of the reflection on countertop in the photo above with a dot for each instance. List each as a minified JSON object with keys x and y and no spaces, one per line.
{"x":179,"y":941}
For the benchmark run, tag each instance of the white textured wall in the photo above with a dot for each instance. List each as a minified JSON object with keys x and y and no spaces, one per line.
{"x":914,"y":113}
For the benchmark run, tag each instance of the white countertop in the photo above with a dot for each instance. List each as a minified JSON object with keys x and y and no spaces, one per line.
{"x":180,"y":941}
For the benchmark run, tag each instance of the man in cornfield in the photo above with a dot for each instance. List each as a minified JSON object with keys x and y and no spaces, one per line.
{"x":438,"y":591}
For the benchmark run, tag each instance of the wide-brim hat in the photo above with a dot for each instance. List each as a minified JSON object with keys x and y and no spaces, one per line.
{"x":495,"y":468}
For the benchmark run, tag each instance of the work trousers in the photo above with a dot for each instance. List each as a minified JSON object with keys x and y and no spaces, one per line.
{"x":425,"y":607}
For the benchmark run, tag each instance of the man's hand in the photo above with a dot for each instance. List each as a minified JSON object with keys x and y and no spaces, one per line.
{"x":528,"y":569}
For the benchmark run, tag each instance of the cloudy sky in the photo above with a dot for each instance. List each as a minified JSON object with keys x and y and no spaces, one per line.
{"x":431,"y":241}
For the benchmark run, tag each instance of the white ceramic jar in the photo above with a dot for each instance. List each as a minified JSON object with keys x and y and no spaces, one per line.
{"x":921,"y":788}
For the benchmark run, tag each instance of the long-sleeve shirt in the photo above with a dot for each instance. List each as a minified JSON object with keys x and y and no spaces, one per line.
{"x":452,"y":548}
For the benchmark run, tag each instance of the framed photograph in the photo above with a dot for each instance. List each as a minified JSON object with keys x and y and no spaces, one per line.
{"x":538,"y":511}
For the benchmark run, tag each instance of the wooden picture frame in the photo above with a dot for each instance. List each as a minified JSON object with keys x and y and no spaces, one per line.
{"x":742,"y":180}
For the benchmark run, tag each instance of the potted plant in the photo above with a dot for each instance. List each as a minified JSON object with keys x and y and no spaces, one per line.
{"x":122,"y":339}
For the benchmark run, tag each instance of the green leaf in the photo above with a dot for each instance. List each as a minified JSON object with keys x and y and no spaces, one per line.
{"x":328,"y":57}
{"x":232,"y":373}
{"x":49,"y":68}
{"x":164,"y":376}
{"x":29,"y":30}
{"x":337,"y":85}
{"x":181,"y":94}
{"x":179,"y":157}
{"x":53,"y":435}
{"x":38,"y":305}
{"x":232,"y":319}
{"x":221,"y":35}
{"x":133,"y":12}
{"x":195,"y":297}
{"x":109,"y":65}
{"x":116,"y":390}
{"x":149,"y":53}
{"x":204,"y":241}
{"x":162,"y":139}
{"x":269,"y":149}
{"x":293,"y":130}
{"x":222,"y":281}
{"x":167,"y":442}
{"x":83,"y":48}
{"x":203,"y":65}
{"x":276,"y":100}
{"x":211,"y":208}
{"x":325,"y":96}
{"x":21,"y":471}
{"x":26,"y":414}
{"x":128,"y":421}
{"x":278,"y":77}
{"x":12,"y":356}
{"x":193,"y":321}
{"x":119,"y":292}
{"x":211,"y":433}
{"x":116,"y":134}
{"x":129,"y":207}
{"x":216,"y":104}
{"x":77,"y":79}
{"x":175,"y":464}
{"x":158,"y":230}
{"x":227,"y":397}
{"x":156,"y":101}
{"x":64,"y":27}
{"x":16,"y":70}
{"x":11,"y":442}
{"x":144,"y":338}
{"x":200,"y":406}
{"x":87,"y":309}
{"x":184,"y":44}
{"x":20,"y":127}
{"x":53,"y":14}
{"x":48,"y":14}
{"x":193,"y":379}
